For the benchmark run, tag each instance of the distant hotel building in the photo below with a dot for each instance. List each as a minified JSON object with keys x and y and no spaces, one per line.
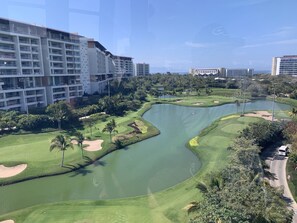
{"x":207,"y":71}
{"x":142,"y":69}
{"x":239,"y":72}
{"x":286,"y":65}
{"x":39,"y":66}
{"x":223,"y":72}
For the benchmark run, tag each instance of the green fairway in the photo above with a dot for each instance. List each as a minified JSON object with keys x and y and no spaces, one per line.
{"x":200,"y":101}
{"x":33,"y":149}
{"x":164,"y":206}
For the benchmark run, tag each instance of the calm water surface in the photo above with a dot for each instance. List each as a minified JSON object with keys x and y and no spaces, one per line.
{"x":142,"y":168}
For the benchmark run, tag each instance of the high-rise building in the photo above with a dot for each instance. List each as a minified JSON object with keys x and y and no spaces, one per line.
{"x":123,"y":66}
{"x":142,"y":69}
{"x":101,"y":67}
{"x":286,"y":65}
{"x":39,"y":66}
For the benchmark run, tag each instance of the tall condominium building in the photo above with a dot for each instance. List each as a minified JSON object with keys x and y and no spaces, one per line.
{"x":39,"y":66}
{"x":123,"y":66}
{"x":142,"y":69}
{"x":101,"y":67}
{"x":286,"y":65}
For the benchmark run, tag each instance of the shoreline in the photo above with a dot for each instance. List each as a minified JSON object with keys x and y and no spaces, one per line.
{"x":146,"y":106}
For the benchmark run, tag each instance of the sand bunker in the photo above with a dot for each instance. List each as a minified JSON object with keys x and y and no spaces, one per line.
{"x":216,"y":102}
{"x":93,"y":145}
{"x":7,"y":221}
{"x":198,"y":103}
{"x":6,"y":172}
{"x":260,"y":114}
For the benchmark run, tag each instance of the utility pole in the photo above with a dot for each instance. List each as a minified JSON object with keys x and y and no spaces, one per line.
{"x":108,"y":88}
{"x":272,"y":118}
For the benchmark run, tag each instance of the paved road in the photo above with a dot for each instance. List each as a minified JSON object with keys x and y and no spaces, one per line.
{"x":278,"y":168}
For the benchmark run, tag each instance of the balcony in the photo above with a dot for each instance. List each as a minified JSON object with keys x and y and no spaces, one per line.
{"x":6,"y":39}
{"x":8,"y":72}
{"x":7,"y":56}
{"x":25,"y":49}
{"x":7,"y":48}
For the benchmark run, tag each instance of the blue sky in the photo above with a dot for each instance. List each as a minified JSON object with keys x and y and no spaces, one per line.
{"x":174,"y":35}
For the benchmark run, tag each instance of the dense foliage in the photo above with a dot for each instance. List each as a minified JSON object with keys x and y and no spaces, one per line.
{"x":263,"y":133}
{"x":239,"y":193}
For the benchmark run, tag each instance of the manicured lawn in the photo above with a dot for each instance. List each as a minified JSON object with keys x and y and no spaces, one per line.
{"x":200,"y":101}
{"x":289,"y":101}
{"x":165,"y":206}
{"x":33,"y":149}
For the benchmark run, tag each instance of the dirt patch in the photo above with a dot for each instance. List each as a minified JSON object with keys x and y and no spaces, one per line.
{"x":7,"y":221}
{"x":6,"y":172}
{"x":260,"y":114}
{"x":179,"y":101}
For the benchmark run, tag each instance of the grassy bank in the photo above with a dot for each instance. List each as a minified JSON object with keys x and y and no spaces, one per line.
{"x":165,"y":206}
{"x":198,"y":101}
{"x":293,"y":178}
{"x":288,"y":101}
{"x":33,"y":149}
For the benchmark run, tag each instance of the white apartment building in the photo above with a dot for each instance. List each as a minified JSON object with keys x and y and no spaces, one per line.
{"x":101,"y":67}
{"x":123,"y":66}
{"x":39,"y":66}
{"x":286,"y":65}
{"x":142,"y":69}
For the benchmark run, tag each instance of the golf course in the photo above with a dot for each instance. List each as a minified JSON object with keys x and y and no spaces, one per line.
{"x":149,"y":181}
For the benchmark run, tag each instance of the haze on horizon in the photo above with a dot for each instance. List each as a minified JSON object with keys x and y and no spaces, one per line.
{"x":174,"y":35}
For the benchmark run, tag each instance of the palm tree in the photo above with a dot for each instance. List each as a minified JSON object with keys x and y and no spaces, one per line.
{"x":61,"y":143}
{"x":294,"y":112}
{"x":79,"y":138}
{"x":237,"y":105}
{"x":110,"y":128}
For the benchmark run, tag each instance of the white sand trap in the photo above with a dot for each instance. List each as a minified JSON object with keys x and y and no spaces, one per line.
{"x":93,"y":145}
{"x":216,"y":102}
{"x":198,"y":103}
{"x":6,"y":172}
{"x":7,"y":221}
{"x":261,"y":114}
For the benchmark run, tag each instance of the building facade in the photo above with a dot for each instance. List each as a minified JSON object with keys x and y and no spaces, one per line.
{"x":207,"y":71}
{"x":239,"y":72}
{"x":39,"y":66}
{"x":101,"y":67}
{"x":142,"y":69}
{"x":286,"y":65}
{"x":123,"y":66}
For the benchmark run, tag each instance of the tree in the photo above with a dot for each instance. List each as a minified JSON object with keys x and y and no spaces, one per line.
{"x":294,"y":112}
{"x":110,"y":128}
{"x":90,"y":122}
{"x":237,"y":102}
{"x":79,"y":138}
{"x":61,"y":143}
{"x":59,"y":111}
{"x":239,"y":192}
